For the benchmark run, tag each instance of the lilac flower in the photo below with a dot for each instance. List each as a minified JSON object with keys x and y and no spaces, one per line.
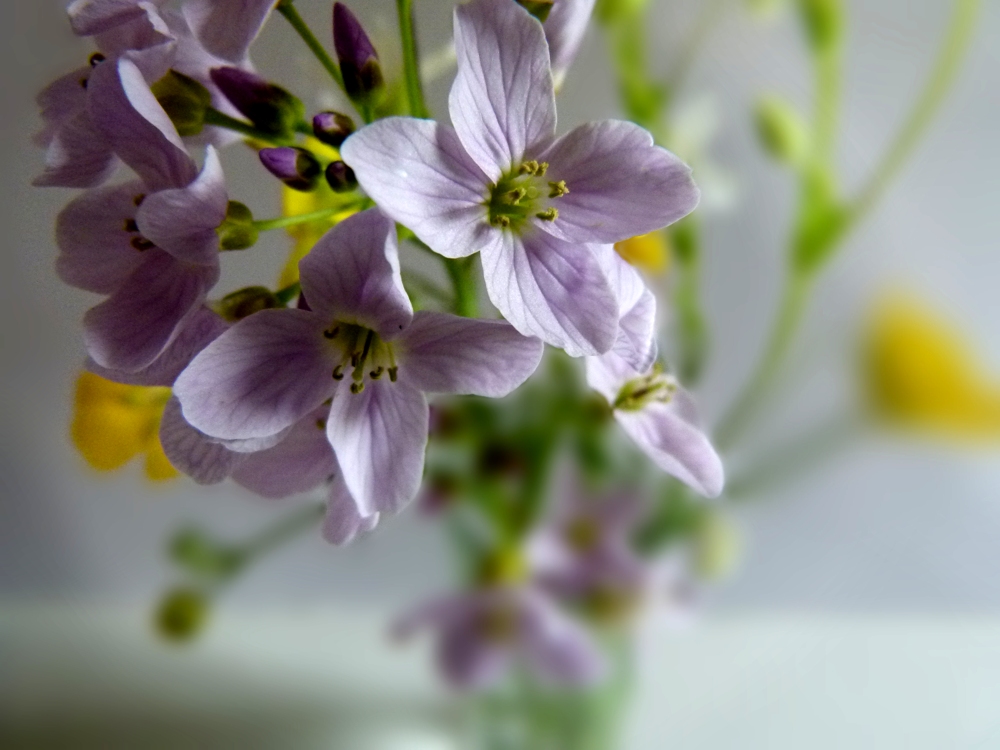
{"x":483,"y":633}
{"x":360,"y":345}
{"x":502,"y":184}
{"x":227,"y":28}
{"x":150,"y":244}
{"x":564,"y":30}
{"x":92,"y":17}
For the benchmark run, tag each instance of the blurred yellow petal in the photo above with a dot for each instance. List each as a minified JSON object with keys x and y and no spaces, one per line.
{"x":922,"y":372}
{"x":649,"y":252}
{"x":158,"y":467}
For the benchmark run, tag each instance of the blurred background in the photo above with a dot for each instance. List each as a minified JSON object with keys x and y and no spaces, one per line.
{"x":895,"y":538}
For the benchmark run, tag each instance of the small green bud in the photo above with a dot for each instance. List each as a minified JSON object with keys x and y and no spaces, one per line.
{"x":184,"y":100}
{"x":824,"y":22}
{"x":182,"y":614}
{"x":783,"y":133}
{"x":540,"y":9}
{"x":245,"y":302}
{"x":237,"y":231}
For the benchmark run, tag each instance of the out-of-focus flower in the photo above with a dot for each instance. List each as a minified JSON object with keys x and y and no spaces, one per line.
{"x":650,"y":252}
{"x":921,"y":372}
{"x":483,"y":633}
{"x":114,"y":423}
{"x":550,"y":199}
{"x":275,"y":367}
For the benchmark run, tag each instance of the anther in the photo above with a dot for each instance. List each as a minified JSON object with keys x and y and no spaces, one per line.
{"x":96,"y":59}
{"x":356,"y":388}
{"x":376,"y":373}
{"x":131,"y":226}
{"x":331,"y":333}
{"x":558,"y":189}
{"x":393,"y":374}
{"x":141,"y":244}
{"x":529,"y":167}
{"x":549,"y":214}
{"x":338,"y":372}
{"x":501,"y":221}
{"x":516,"y":196}
{"x":139,"y":199}
{"x":355,"y":358}
{"x":320,"y":424}
{"x":83,"y":83}
{"x":542,"y":168}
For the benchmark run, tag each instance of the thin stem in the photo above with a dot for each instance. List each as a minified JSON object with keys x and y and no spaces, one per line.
{"x":287,"y":9}
{"x":828,"y":70}
{"x":710,"y":16}
{"x":289,"y":221}
{"x":464,"y":283}
{"x":221,"y":120}
{"x":411,"y":61}
{"x":949,"y":61}
{"x":283,"y":530}
{"x":797,"y":291}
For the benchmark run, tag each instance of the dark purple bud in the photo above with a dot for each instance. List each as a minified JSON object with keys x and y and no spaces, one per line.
{"x":358,"y":59}
{"x":341,"y":177}
{"x":295,"y":167}
{"x":332,"y":128}
{"x":270,"y":108}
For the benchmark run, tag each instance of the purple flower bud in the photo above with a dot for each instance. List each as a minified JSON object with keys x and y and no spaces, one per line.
{"x":341,"y":177}
{"x":358,"y":59}
{"x":332,"y":128}
{"x":270,"y":108}
{"x":296,"y":167}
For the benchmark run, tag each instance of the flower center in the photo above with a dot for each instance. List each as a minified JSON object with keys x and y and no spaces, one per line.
{"x":583,"y":534}
{"x":656,"y":387}
{"x":522,"y":193}
{"x":362,"y":353}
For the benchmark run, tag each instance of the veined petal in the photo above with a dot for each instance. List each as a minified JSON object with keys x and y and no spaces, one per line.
{"x":420,"y":175}
{"x":620,"y":183}
{"x":379,"y":436}
{"x":193,"y":452}
{"x":502,"y":102}
{"x":183,"y":221}
{"x":343,"y":522}
{"x":227,"y":28}
{"x":302,"y":461}
{"x":95,"y":248}
{"x":197,"y":332}
{"x":564,"y":30}
{"x":352,"y":275}
{"x":139,"y":131}
{"x":442,"y":353}
{"x":78,"y":156}
{"x":61,"y":101}
{"x":262,"y":375}
{"x":636,"y":340}
{"x":553,"y":290}
{"x":669,"y":434}
{"x":625,"y":279}
{"x":135,"y":324}
{"x":146,"y":39}
{"x":89,"y":17}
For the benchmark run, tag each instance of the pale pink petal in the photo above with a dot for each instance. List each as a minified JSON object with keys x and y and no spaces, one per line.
{"x":553,"y":290}
{"x":78,"y":156}
{"x":60,"y":102}
{"x":343,"y":523}
{"x":502,"y":103}
{"x":227,"y":28}
{"x":379,"y":436}
{"x":192,"y":452}
{"x":89,"y":17}
{"x":262,"y":375}
{"x":419,"y":174}
{"x":442,"y":353}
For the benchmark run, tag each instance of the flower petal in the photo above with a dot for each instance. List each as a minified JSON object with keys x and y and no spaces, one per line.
{"x":556,"y":648}
{"x":620,"y":183}
{"x":352,"y":275}
{"x":183,"y":221}
{"x":636,"y":341}
{"x":95,"y":250}
{"x":379,"y":436}
{"x":442,"y":353}
{"x":343,"y":523}
{"x":302,"y":461}
{"x":262,"y":375}
{"x":227,"y":28}
{"x":135,"y":324}
{"x":89,"y":17}
{"x":197,"y":332}
{"x":553,"y":290}
{"x":193,"y":452}
{"x":78,"y":156}
{"x":141,"y":133}
{"x":669,"y":434}
{"x":502,"y":102}
{"x":60,"y":102}
{"x":419,"y":174}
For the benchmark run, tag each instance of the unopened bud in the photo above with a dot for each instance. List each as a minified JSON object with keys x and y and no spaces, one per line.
{"x":270,"y":108}
{"x":245,"y":302}
{"x":781,"y":130}
{"x":540,"y":9}
{"x":184,"y":100}
{"x":296,"y":167}
{"x":237,"y":231}
{"x":359,"y":64}
{"x":182,"y":614}
{"x":332,"y":128}
{"x":341,"y":177}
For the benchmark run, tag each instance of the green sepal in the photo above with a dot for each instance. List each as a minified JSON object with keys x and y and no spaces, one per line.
{"x":540,"y":9}
{"x":237,"y":231}
{"x":184,"y":100}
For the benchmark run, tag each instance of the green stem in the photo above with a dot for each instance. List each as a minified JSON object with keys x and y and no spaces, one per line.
{"x":946,"y":68}
{"x":287,"y":9}
{"x":221,"y":120}
{"x":691,"y":326}
{"x":411,"y":62}
{"x":829,"y":84}
{"x":464,"y":283}
{"x":283,"y":530}
{"x":288,"y":293}
{"x":797,"y":291}
{"x":281,"y":222}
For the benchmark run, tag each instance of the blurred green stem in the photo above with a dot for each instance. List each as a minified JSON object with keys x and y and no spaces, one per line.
{"x":460,"y":271}
{"x":411,"y":61}
{"x":711,"y":14}
{"x":691,"y":328}
{"x":219,"y":119}
{"x":282,"y":222}
{"x":287,"y":9}
{"x":283,"y":530}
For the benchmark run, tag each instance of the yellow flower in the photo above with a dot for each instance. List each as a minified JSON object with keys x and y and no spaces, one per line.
{"x":295,"y":202}
{"x":922,"y":373}
{"x":650,"y":252}
{"x":114,"y":423}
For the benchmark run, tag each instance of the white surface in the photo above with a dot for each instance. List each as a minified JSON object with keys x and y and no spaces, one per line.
{"x":72,"y":678}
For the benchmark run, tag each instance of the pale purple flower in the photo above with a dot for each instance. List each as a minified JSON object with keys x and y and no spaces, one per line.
{"x":92,"y":17}
{"x":482,"y":634}
{"x":227,"y":28}
{"x":564,"y":29}
{"x":360,"y":346}
{"x":502,"y":184}
{"x":150,"y":244}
